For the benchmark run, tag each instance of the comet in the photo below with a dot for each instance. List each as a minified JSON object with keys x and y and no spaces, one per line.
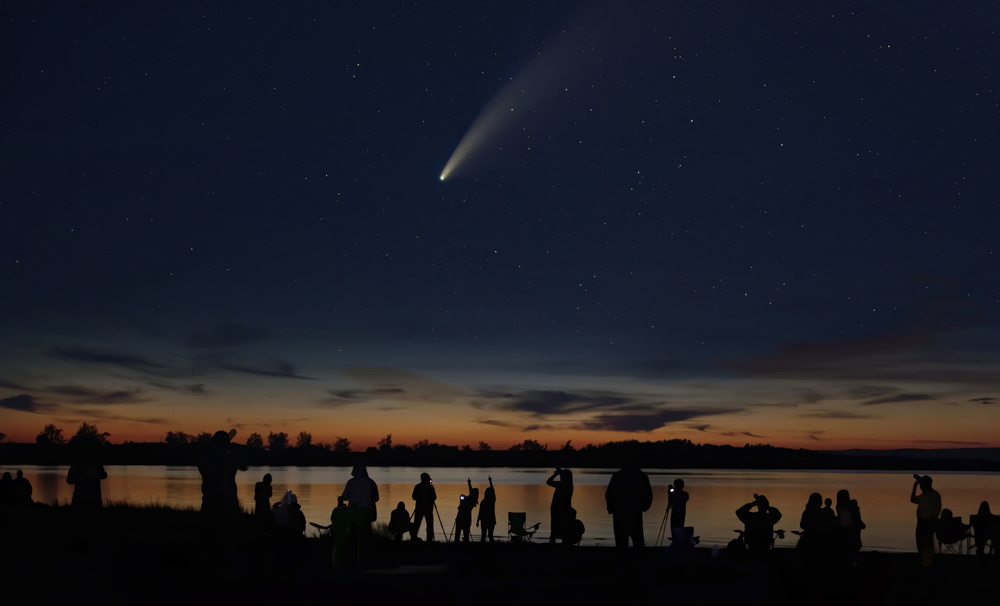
{"x":551,"y":71}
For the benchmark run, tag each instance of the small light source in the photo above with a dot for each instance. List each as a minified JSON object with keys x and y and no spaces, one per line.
{"x":441,"y":177}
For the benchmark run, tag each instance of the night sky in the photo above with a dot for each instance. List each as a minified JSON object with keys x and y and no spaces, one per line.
{"x":722,"y":222}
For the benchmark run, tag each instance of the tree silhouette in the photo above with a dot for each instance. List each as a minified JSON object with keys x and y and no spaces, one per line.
{"x":255,"y":441}
{"x":304,"y":440}
{"x":89,"y":434}
{"x":342,"y":445}
{"x":385,"y":444}
{"x":483,"y":446}
{"x":529,"y":446}
{"x":178,"y":438}
{"x":50,"y":435}
{"x":277,"y":442}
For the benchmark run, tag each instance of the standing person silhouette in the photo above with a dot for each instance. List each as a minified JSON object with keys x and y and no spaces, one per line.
{"x":487,"y":519}
{"x":361,"y":491}
{"x":851,"y":525}
{"x":424,"y":495}
{"x":562,"y":502}
{"x":262,"y":493}
{"x":628,"y":495}
{"x":928,"y":504}
{"x":819,"y":528}
{"x":677,"y":499}
{"x":463,"y":522}
{"x":361,"y":494}
{"x":85,"y":474}
{"x":218,"y":465}
{"x":20,"y":490}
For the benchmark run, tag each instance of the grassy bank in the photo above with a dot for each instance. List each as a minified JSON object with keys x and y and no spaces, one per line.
{"x":130,"y":553}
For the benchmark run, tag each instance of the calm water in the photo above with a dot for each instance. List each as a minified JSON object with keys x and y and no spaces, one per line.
{"x":715,"y":495}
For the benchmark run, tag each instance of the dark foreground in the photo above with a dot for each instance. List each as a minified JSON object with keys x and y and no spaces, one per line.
{"x":140,"y":557}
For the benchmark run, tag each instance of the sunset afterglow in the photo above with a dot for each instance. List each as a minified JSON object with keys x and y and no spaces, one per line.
{"x":659,"y":222}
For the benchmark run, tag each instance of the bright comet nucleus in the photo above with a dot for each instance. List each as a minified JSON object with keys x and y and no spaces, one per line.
{"x":549,"y":72}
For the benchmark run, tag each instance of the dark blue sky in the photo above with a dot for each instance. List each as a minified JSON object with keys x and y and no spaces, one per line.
{"x":727,"y":222}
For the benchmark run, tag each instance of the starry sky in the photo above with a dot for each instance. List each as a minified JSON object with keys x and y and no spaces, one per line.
{"x":728,"y":222}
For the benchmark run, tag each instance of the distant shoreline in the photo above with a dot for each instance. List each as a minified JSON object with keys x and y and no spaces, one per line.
{"x":675,"y":454}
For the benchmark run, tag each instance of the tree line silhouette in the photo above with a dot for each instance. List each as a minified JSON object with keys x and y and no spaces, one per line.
{"x":279,"y":448}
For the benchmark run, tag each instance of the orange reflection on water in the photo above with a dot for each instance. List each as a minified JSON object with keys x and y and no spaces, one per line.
{"x":715,"y":495}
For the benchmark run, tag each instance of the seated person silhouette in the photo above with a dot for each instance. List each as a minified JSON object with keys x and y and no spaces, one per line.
{"x":950,"y":529}
{"x":985,"y":530}
{"x":758,"y":530}
{"x":399,"y":522}
{"x":574,"y":528}
{"x":289,"y":521}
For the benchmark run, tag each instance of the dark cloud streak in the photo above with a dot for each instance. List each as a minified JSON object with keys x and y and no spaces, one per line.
{"x":24,"y":403}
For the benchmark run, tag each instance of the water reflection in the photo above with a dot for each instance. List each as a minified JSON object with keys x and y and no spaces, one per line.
{"x":715,"y":495}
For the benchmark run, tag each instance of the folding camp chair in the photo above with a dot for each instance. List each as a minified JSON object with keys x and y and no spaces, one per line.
{"x":953,"y":536}
{"x":517,"y":531}
{"x":985,"y":533}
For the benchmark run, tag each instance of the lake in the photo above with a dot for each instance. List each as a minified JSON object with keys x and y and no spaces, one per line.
{"x":884,"y":496}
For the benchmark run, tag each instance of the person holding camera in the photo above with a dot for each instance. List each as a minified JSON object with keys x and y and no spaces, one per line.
{"x":424,"y":496}
{"x":758,"y":525}
{"x":677,"y":500}
{"x":463,"y":521}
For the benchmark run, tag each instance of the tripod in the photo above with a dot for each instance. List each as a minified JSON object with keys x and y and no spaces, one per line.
{"x":663,"y":526}
{"x":446,"y":534}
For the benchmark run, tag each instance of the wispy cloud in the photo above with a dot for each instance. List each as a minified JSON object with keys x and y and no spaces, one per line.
{"x":902,"y":397}
{"x":836,"y":414}
{"x":390,"y":386}
{"x":275,"y":369}
{"x":103,"y":414}
{"x":25,"y":403}
{"x":603,"y":410}
{"x":119,"y":359}
{"x":931,"y":347}
{"x":499,"y":423}
{"x":196,"y":389}
{"x":733,"y":434}
{"x":352,"y":396}
{"x":86,"y":395}
{"x":386,"y":382}
{"x":645,"y":422}
{"x":537,"y":427}
{"x":542,"y":402}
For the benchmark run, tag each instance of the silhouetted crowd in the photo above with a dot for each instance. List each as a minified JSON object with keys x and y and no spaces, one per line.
{"x":829,"y":531}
